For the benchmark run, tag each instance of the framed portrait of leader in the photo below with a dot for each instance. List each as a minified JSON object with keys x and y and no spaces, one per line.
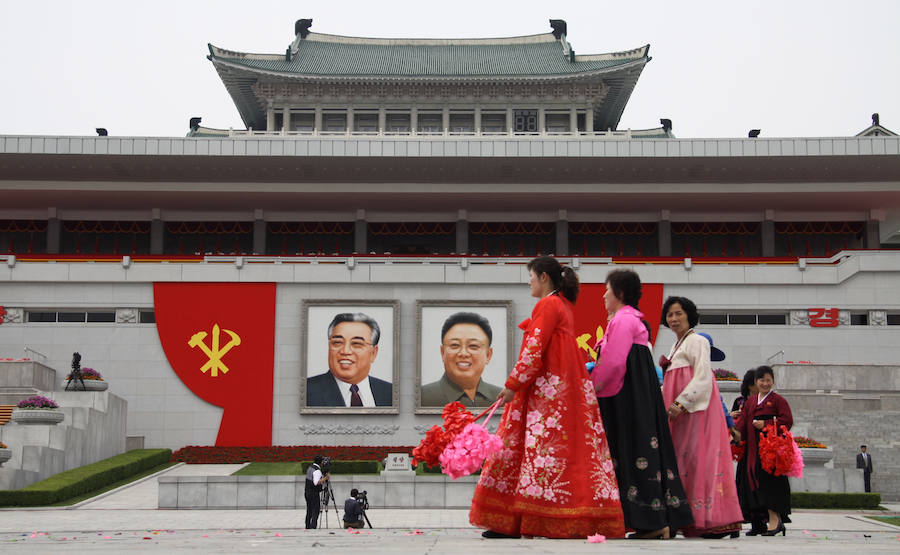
{"x":348,"y":356}
{"x":465,"y":352}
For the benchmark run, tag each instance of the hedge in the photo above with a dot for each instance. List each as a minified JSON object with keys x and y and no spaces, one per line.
{"x":814,"y":500}
{"x":347,"y":467}
{"x":85,"y":479}
{"x":210,"y":454}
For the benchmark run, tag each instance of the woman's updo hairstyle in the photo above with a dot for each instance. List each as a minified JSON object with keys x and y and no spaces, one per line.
{"x":563,"y":278}
{"x":762,"y":371}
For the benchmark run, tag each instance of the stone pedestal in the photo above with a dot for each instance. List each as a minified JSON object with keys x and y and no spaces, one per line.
{"x":89,"y":385}
{"x":37,"y":416}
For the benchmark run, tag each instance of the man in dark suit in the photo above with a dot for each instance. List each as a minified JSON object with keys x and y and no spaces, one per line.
{"x":352,"y":348}
{"x":864,"y":461}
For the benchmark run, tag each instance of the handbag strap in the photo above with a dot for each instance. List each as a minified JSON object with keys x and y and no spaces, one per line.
{"x":491,"y":408}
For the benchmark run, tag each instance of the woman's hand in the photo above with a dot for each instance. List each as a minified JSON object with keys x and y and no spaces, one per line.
{"x":759,"y":424}
{"x":506,"y":395}
{"x":673,"y":411}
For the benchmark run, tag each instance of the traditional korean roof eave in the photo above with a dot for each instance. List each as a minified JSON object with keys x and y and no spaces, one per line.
{"x":621,"y":80}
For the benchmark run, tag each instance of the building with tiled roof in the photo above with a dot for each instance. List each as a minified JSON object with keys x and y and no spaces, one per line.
{"x":331,"y":83}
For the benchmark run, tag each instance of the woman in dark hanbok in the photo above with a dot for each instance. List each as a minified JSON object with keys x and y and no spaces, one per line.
{"x":653,"y":498}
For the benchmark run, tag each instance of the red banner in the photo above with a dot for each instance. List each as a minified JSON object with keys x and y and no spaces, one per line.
{"x":220,"y":340}
{"x":591,"y":316}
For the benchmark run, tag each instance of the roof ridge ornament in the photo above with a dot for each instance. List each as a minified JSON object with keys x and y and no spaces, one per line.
{"x":559,"y":27}
{"x":301,"y":27}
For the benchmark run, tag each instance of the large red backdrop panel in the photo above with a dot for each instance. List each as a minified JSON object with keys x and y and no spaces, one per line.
{"x":220,"y":340}
{"x":591,"y":316}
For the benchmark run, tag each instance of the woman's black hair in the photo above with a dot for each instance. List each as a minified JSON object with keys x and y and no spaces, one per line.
{"x":749,"y":380}
{"x":563,"y":278}
{"x":687,"y":305}
{"x":763,"y":370}
{"x":626,"y":286}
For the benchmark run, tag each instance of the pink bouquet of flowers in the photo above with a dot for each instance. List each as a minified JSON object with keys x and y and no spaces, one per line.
{"x":467,"y":451}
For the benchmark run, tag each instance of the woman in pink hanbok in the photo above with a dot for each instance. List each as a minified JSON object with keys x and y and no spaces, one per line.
{"x":699,"y":431}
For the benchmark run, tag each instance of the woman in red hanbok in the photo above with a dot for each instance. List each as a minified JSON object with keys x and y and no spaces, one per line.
{"x":554,"y":476}
{"x":699,"y":432}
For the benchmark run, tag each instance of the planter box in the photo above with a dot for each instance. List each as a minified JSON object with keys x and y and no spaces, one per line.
{"x":816,"y":458}
{"x":37,"y":416}
{"x":5,"y":455}
{"x":89,"y":385}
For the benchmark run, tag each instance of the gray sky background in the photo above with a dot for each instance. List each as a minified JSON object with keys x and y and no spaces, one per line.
{"x":792,"y":68}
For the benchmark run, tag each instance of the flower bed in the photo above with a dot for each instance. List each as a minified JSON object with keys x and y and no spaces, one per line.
{"x":37,"y":402}
{"x":808,"y":443}
{"x":724,"y":375}
{"x":197,"y":454}
{"x":88,"y":374}
{"x":3,"y":445}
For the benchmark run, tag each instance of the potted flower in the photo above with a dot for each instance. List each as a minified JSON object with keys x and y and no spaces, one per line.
{"x":723,"y":375}
{"x":814,"y":452}
{"x":5,"y":453}
{"x":37,"y":409}
{"x":91,"y":378}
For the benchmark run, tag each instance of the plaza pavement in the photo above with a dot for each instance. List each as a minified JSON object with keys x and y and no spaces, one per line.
{"x":127,"y":520}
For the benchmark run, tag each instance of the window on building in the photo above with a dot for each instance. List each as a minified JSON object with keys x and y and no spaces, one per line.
{"x":397,"y":122}
{"x":741,"y":319}
{"x":558,"y":122}
{"x":365,"y":122}
{"x":525,"y":121}
{"x":430,"y":122}
{"x":41,"y":316}
{"x":859,"y":318}
{"x":70,"y":316}
{"x":718,"y":319}
{"x":303,"y":121}
{"x":771,"y":319}
{"x":147,"y":317}
{"x":334,"y":122}
{"x":493,"y":122}
{"x":462,"y":122}
{"x":893,"y":319}
{"x":96,"y":317}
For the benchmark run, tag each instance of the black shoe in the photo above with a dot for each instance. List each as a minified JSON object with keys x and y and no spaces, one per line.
{"x":756,"y":528}
{"x":491,"y":535}
{"x":720,"y":535}
{"x":779,"y":528}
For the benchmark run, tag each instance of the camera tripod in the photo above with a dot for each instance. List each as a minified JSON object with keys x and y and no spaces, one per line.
{"x":328,"y":495}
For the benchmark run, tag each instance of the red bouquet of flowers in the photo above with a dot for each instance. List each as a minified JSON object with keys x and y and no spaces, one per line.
{"x":738,"y":450}
{"x":778,"y":452}
{"x":456,"y":418}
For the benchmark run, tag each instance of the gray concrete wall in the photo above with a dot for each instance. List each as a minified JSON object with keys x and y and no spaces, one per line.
{"x":286,"y":492}
{"x":21,"y":379}
{"x":93,"y":429}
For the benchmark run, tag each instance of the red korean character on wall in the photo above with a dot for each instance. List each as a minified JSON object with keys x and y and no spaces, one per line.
{"x":824,"y":317}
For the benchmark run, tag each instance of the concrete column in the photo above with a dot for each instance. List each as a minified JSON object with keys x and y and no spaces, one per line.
{"x":510,"y":123}
{"x":382,"y":120}
{"x":478,"y":120}
{"x":53,"y":231}
{"x":286,"y":119}
{"x":873,"y":234}
{"x":259,"y":232}
{"x":445,"y":120}
{"x":413,"y":120}
{"x":562,"y":234}
{"x":462,"y":232}
{"x":573,"y":120}
{"x":360,"y":233}
{"x":767,"y":234}
{"x":270,"y":119}
{"x":542,"y":120}
{"x":665,"y":233}
{"x":349,"y":120}
{"x":317,"y":121}
{"x":589,"y":119}
{"x":157,"y":233}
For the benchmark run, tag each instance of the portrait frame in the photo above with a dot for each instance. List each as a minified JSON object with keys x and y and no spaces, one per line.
{"x":432,"y":314}
{"x":316,"y":314}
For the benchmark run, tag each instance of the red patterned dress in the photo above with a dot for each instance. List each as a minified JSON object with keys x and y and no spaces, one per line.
{"x":554,"y":477}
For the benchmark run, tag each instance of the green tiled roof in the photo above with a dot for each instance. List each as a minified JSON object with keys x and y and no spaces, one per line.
{"x":332,"y":56}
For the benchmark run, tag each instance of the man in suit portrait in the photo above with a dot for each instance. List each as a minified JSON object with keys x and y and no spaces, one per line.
{"x":352,"y":348}
{"x":864,"y":461}
{"x":466,"y":351}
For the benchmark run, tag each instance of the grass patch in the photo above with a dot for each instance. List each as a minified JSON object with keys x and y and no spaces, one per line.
{"x":895,"y":520}
{"x":120,"y":483}
{"x":271,"y":469}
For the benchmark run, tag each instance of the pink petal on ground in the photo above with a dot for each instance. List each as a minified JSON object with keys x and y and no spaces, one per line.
{"x":806,"y":532}
{"x":107,"y":537}
{"x":596,"y":538}
{"x":277,"y":534}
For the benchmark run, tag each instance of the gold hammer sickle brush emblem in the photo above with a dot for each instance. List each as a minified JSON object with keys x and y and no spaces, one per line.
{"x":214,"y":353}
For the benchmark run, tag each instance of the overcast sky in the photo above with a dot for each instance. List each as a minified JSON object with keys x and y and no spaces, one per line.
{"x":790,"y":67}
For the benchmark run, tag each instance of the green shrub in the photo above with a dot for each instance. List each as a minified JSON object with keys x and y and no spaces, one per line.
{"x":85,"y":479}
{"x":347,"y":467}
{"x":815,"y":500}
